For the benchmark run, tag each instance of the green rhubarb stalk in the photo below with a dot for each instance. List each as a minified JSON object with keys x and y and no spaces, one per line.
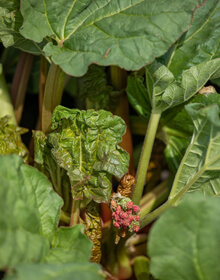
{"x":52,"y":95}
{"x":154,"y":198}
{"x":169,"y":203}
{"x":156,"y":213}
{"x":64,"y":217}
{"x":118,"y":77}
{"x":124,"y":265}
{"x":145,"y":157}
{"x":141,"y":268}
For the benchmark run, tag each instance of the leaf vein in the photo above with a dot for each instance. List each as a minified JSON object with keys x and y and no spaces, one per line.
{"x":65,"y":22}
{"x":201,"y":27}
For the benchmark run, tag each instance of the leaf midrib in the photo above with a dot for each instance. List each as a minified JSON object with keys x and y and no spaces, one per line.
{"x":195,"y":177}
{"x":182,"y":162}
{"x":195,"y":251}
{"x":66,"y":19}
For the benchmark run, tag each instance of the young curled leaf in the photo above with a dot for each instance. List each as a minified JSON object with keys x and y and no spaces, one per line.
{"x":94,"y":87}
{"x":93,"y":230}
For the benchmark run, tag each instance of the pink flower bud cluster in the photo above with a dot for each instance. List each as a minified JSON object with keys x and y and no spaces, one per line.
{"x":125,"y":213}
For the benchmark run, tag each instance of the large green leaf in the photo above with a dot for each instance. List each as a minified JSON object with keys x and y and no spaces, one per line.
{"x":165,"y":91}
{"x":199,"y":169}
{"x":10,"y":23}
{"x":201,"y":43}
{"x":129,"y":34}
{"x":73,"y":271}
{"x":30,"y":212}
{"x":69,"y":245}
{"x":84,"y":144}
{"x":184,"y":243}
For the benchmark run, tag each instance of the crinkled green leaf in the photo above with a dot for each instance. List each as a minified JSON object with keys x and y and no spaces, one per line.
{"x":164,"y":90}
{"x":48,"y":165}
{"x":69,"y":245}
{"x":10,"y":140}
{"x":10,"y":23}
{"x":199,"y":169}
{"x":184,"y":242}
{"x":73,"y":271}
{"x":94,"y":86}
{"x":129,"y":34}
{"x":202,"y":41}
{"x":29,"y":212}
{"x":84,"y":144}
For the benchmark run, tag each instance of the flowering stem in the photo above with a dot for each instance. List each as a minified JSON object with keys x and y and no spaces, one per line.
{"x":124,"y":266}
{"x":145,"y":157}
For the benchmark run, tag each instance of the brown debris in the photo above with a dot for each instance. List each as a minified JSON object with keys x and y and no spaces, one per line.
{"x":207,"y":90}
{"x":93,"y":230}
{"x":126,"y":185}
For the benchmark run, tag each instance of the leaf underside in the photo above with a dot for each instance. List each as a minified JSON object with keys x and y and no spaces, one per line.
{"x":179,"y":130}
{"x":199,"y":169}
{"x":129,"y":34}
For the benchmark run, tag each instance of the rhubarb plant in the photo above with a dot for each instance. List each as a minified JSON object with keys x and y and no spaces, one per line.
{"x":84,"y":209}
